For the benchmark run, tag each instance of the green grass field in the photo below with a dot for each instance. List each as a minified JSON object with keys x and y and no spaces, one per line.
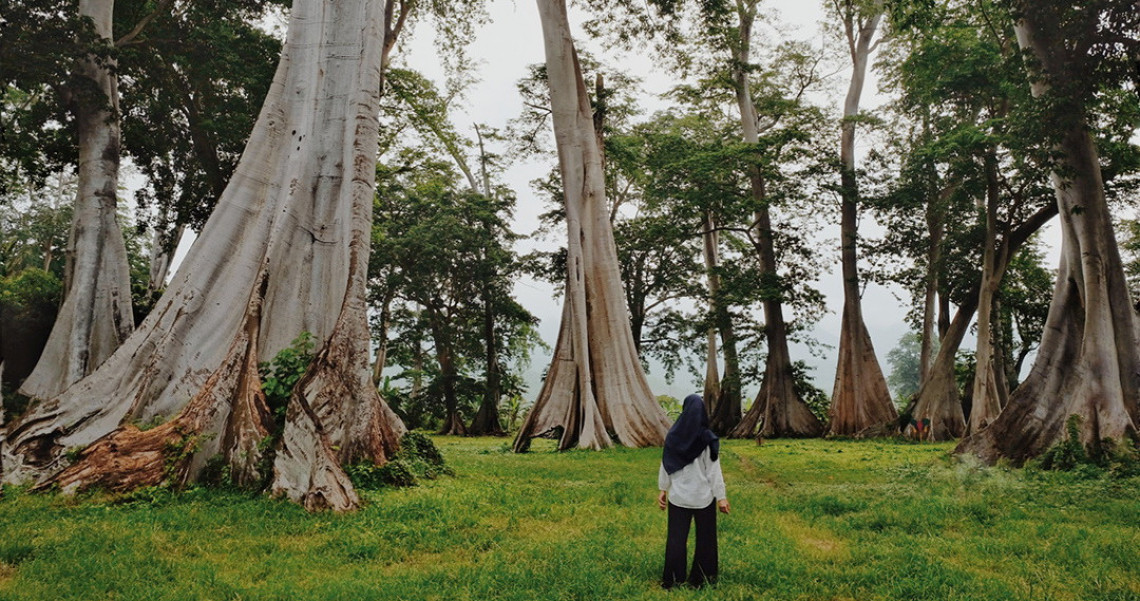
{"x":811,"y":520}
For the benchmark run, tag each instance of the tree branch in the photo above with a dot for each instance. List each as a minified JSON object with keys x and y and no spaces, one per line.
{"x":163,"y":6}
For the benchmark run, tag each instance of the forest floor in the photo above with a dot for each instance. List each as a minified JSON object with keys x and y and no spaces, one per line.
{"x":811,"y":519}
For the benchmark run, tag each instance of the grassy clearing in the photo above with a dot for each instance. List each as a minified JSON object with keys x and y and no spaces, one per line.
{"x":825,"y":520}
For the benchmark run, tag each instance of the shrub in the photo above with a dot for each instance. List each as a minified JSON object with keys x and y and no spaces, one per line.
{"x":1118,"y":459}
{"x":417,"y":458}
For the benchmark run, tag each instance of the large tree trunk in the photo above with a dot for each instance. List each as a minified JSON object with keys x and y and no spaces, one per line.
{"x":96,"y":315}
{"x":1087,"y":365}
{"x":861,"y":398}
{"x":938,"y":400}
{"x":784,"y":413}
{"x":595,"y":387}
{"x":285,"y":251}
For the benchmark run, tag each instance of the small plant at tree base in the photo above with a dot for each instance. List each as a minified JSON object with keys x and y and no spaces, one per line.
{"x":280,"y":375}
{"x":417,"y":458}
{"x":1120,"y":459}
{"x":1069,"y":453}
{"x":218,"y":473}
{"x":278,"y":378}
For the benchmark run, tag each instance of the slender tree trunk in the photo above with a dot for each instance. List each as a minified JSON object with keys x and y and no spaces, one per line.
{"x":382,"y":335}
{"x":285,"y":251}
{"x":935,"y":225}
{"x":861,"y":398}
{"x":96,"y":314}
{"x":988,"y":381}
{"x":452,"y":423}
{"x":943,"y":315}
{"x":162,"y":249}
{"x":1002,"y":353}
{"x":595,"y":387}
{"x":486,"y":421}
{"x":725,"y":407}
{"x":1087,"y":365}
{"x":712,"y":260}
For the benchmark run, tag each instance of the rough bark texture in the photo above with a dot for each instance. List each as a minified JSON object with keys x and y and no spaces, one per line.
{"x":861,"y":399}
{"x":285,"y":251}
{"x":96,"y":314}
{"x":1088,"y":363}
{"x":595,"y":387}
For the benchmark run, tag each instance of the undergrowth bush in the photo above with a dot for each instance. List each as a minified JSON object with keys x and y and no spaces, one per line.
{"x":1117,"y":459}
{"x":417,"y":458}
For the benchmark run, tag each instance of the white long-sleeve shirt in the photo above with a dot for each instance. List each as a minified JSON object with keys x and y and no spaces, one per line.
{"x":694,"y":486}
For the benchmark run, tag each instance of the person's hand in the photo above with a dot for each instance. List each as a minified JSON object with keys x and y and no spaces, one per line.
{"x":662,"y":500}
{"x":723,"y":506}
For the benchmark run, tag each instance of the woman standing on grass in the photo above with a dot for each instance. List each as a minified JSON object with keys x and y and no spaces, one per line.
{"x":691,"y":487}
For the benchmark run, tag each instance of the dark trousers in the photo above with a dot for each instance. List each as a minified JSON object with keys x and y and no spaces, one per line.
{"x":704,"y":557}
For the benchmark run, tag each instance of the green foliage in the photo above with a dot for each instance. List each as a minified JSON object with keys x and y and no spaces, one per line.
{"x":177,"y":452}
{"x":1130,"y":249}
{"x":904,"y":361}
{"x":417,"y":458}
{"x":29,"y":300}
{"x":30,"y":294}
{"x":441,"y":270}
{"x":280,"y":375}
{"x":816,"y":399}
{"x":671,"y":405}
{"x":1117,"y":459}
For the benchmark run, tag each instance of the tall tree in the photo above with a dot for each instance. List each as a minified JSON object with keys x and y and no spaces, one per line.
{"x":284,"y":252}
{"x":861,"y":399}
{"x":972,"y":159}
{"x":595,"y":386}
{"x":778,"y":409}
{"x":1088,"y":364}
{"x":96,"y":315}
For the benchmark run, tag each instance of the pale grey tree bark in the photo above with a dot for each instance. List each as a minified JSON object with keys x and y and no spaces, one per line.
{"x":285,"y":251}
{"x":1088,"y":364}
{"x":595,"y":387}
{"x":96,"y":314}
{"x":861,"y":399}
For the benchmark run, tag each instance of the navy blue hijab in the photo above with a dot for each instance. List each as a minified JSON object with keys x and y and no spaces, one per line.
{"x":688,"y":437}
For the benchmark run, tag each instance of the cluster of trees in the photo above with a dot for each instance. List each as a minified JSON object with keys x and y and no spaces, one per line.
{"x":358,"y":212}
